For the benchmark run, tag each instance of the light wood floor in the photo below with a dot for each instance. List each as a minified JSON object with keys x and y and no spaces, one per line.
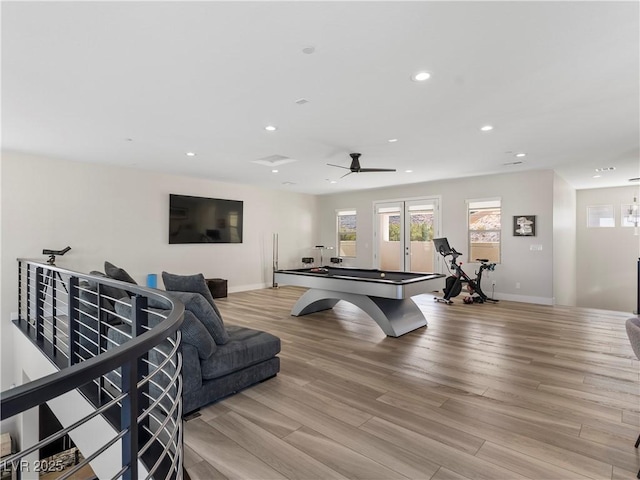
{"x":486,"y":391}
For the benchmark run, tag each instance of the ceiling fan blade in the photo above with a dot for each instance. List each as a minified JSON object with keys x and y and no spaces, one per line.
{"x":339,"y":166}
{"x":356,"y":168}
{"x":377,"y":170}
{"x":348,"y":173}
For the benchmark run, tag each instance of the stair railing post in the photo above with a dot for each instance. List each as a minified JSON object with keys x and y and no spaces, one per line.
{"x":40,"y":293}
{"x":74,"y":324}
{"x":54,"y":314}
{"x":20,"y":292}
{"x":29,"y":294}
{"x":140,"y":319}
{"x":102,"y":343}
{"x":129,"y":419}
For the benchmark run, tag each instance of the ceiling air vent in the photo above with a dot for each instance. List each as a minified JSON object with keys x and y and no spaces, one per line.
{"x":273,"y":160}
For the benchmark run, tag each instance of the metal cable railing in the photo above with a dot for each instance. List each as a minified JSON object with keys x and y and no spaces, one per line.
{"x":119,"y":353}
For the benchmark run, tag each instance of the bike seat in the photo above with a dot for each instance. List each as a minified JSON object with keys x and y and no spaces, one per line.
{"x":483,"y":260}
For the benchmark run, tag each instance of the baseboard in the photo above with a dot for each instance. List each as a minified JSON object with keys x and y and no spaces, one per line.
{"x":245,"y":288}
{"x":525,"y":299}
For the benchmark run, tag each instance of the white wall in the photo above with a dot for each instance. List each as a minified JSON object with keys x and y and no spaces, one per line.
{"x":564,"y":242}
{"x":607,"y":257}
{"x":68,"y":408}
{"x":121,"y":215}
{"x":528,"y":193}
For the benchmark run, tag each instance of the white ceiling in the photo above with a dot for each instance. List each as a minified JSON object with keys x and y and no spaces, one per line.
{"x":141,"y":84}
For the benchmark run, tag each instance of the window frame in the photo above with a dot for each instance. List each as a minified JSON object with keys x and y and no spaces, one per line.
{"x":612,"y":216}
{"x":473,"y":204}
{"x":343,"y":212}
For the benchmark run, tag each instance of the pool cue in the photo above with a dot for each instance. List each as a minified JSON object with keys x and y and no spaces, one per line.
{"x":275,"y":260}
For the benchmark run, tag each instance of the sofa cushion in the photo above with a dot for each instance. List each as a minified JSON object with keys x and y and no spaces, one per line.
{"x":191,"y":375}
{"x":194,"y":302}
{"x":88,"y":303}
{"x":113,"y":292}
{"x":193,"y":331}
{"x":218,"y":388}
{"x":190,"y":283}
{"x":245,"y":347}
{"x":117,"y":273}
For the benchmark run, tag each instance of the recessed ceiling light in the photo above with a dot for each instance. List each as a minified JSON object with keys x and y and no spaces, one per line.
{"x":517,"y":162}
{"x":597,"y":176}
{"x":521,"y":154}
{"x":392,"y":140}
{"x":605,"y":169}
{"x":486,"y":128}
{"x":190,"y":154}
{"x":420,"y":76}
{"x":309,"y":50}
{"x":408,"y":171}
{"x":271,"y":128}
{"x":274,"y":170}
{"x":333,"y":181}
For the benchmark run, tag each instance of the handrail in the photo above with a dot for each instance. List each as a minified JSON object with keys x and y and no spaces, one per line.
{"x":37,"y":392}
{"x":24,"y":397}
{"x":54,"y":311}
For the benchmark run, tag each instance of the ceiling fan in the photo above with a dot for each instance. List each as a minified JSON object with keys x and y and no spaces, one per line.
{"x":356,"y":168}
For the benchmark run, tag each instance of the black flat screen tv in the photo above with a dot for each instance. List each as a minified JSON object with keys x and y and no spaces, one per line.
{"x":204,"y":220}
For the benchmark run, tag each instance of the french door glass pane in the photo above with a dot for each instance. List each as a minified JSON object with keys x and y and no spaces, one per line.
{"x":421,"y":235}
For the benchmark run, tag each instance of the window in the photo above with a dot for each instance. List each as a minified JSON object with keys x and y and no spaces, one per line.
{"x":394,"y":228}
{"x":484,"y":229}
{"x":346,"y":226}
{"x":599,"y":216}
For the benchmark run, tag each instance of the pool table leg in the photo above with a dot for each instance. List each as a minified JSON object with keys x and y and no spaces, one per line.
{"x":313,"y":301}
{"x":395,"y":317}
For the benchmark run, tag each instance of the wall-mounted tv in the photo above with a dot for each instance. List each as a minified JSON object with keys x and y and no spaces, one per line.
{"x":204,"y":220}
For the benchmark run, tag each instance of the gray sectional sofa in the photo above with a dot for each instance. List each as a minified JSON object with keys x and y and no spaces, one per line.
{"x":218,"y":359}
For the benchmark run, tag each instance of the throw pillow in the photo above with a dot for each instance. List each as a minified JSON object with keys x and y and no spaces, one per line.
{"x":88,"y":305}
{"x":202,"y":309}
{"x":114,"y":292}
{"x":118,"y":273}
{"x":193,"y":331}
{"x":190,"y":283}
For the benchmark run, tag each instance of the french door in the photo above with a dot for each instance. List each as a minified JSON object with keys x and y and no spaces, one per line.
{"x":403,"y":232}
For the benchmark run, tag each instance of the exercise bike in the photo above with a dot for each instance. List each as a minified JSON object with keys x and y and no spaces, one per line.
{"x":453,"y":283}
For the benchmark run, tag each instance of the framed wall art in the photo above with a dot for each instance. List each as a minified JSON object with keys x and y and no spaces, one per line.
{"x":524,"y":226}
